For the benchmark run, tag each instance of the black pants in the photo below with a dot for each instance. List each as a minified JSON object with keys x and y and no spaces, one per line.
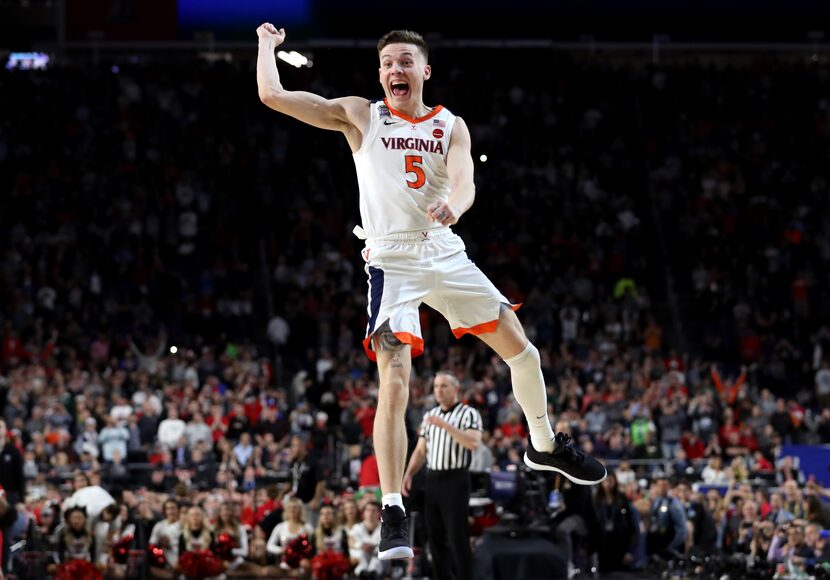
{"x":446,"y":511}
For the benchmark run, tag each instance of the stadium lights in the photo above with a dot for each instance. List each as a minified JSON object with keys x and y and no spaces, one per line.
{"x":293,"y":58}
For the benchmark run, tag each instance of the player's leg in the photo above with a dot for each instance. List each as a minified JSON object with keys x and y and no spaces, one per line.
{"x":394,"y":366}
{"x":510,"y":343}
{"x":545,"y":451}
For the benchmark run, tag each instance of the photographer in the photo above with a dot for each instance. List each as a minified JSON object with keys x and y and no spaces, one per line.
{"x":762,"y":533}
{"x":787,"y":543}
{"x":816,"y":540}
{"x":703,"y":535}
{"x":667,"y":522}
{"x":739,"y":528}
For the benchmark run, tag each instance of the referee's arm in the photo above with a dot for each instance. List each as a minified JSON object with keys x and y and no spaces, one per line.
{"x":416,"y":462}
{"x":467,"y":438}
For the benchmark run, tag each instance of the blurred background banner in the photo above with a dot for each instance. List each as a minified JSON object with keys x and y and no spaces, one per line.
{"x":50,"y":21}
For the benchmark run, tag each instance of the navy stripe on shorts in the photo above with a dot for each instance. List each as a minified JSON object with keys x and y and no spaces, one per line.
{"x":375,"y":296}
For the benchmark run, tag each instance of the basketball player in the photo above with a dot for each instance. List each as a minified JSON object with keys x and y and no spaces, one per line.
{"x":415,"y":174}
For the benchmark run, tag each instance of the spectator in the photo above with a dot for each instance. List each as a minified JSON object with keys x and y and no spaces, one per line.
{"x":244,"y":450}
{"x":307,"y":481}
{"x":617,"y":525}
{"x":197,"y":430}
{"x":778,"y":514}
{"x":13,"y":484}
{"x":713,"y":473}
{"x":113,"y":439}
{"x":366,"y":539}
{"x":172,"y":429}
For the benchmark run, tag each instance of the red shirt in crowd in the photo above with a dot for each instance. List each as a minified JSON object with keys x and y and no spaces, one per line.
{"x":693,"y":446}
{"x":513,"y":429}
{"x":369,"y":474}
{"x":365,"y":417}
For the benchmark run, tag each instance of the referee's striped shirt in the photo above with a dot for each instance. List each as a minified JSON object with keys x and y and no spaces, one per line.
{"x":444,"y":453}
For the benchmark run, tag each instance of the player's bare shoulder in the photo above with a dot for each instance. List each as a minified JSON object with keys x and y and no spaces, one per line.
{"x":460,"y":134}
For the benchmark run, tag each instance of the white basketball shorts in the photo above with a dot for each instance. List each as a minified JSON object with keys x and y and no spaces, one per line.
{"x":429,"y":267}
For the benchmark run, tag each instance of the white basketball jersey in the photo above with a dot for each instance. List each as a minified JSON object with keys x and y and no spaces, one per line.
{"x":401,"y":169}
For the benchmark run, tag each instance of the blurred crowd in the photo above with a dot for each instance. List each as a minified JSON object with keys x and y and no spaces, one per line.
{"x":181,"y":306}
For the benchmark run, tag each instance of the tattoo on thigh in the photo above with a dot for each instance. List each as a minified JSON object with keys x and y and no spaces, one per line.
{"x":386,"y":340}
{"x":396,"y":362}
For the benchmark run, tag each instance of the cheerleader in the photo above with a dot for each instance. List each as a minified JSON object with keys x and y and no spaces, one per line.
{"x":75,"y":540}
{"x":228,"y":528}
{"x":291,"y":527}
{"x":196,"y":535}
{"x":329,"y":534}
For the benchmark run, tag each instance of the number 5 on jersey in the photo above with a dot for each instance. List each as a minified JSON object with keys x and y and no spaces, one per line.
{"x":413,"y":165}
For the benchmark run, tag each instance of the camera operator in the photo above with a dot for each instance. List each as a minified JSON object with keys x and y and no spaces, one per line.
{"x":667,"y":523}
{"x":703,"y":535}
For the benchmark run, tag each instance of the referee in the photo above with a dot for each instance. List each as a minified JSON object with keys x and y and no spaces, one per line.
{"x":449,"y":434}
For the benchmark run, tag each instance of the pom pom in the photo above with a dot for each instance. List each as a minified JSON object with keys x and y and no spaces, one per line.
{"x":121,"y":549}
{"x":224,"y":545}
{"x":77,"y":570}
{"x":330,"y":565}
{"x":156,"y":556}
{"x":200,"y":564}
{"x":298,"y":549}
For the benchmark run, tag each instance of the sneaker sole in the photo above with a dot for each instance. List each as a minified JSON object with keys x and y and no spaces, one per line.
{"x":540,"y":467}
{"x":397,"y":553}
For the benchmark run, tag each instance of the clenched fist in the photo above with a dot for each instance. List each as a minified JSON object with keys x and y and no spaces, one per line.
{"x":268,"y":31}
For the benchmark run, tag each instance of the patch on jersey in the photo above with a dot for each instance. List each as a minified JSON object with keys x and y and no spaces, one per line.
{"x":383,"y":111}
{"x":439,"y":123}
{"x":437,"y":133}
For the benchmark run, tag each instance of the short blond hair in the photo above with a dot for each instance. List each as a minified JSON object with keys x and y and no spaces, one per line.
{"x":404,"y":37}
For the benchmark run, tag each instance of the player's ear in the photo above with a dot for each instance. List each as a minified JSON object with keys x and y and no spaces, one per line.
{"x":427,"y":72}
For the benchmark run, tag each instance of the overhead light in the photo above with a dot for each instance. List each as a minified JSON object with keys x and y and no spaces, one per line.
{"x":293,"y":58}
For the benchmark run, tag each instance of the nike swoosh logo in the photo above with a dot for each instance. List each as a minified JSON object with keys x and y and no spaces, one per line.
{"x":386,"y":122}
{"x":540,"y":416}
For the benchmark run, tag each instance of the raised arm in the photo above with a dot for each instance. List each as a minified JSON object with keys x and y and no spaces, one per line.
{"x":346,"y":114}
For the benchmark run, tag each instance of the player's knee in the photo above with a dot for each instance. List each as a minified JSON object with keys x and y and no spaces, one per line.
{"x":394,"y":393}
{"x":529,"y":356}
{"x":533,"y":353}
{"x":394,"y":386}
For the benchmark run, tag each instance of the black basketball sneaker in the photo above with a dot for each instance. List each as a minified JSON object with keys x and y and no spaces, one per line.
{"x":570,"y":462}
{"x":394,"y":534}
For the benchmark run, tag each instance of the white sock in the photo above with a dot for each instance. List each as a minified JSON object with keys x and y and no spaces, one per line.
{"x":393,"y":499}
{"x":529,"y":390}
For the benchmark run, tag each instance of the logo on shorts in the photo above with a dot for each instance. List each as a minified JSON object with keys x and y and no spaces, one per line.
{"x":425,"y":235}
{"x":437,"y":133}
{"x":365,"y":254}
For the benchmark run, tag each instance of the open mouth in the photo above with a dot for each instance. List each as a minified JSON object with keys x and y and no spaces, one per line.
{"x":399,"y":88}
